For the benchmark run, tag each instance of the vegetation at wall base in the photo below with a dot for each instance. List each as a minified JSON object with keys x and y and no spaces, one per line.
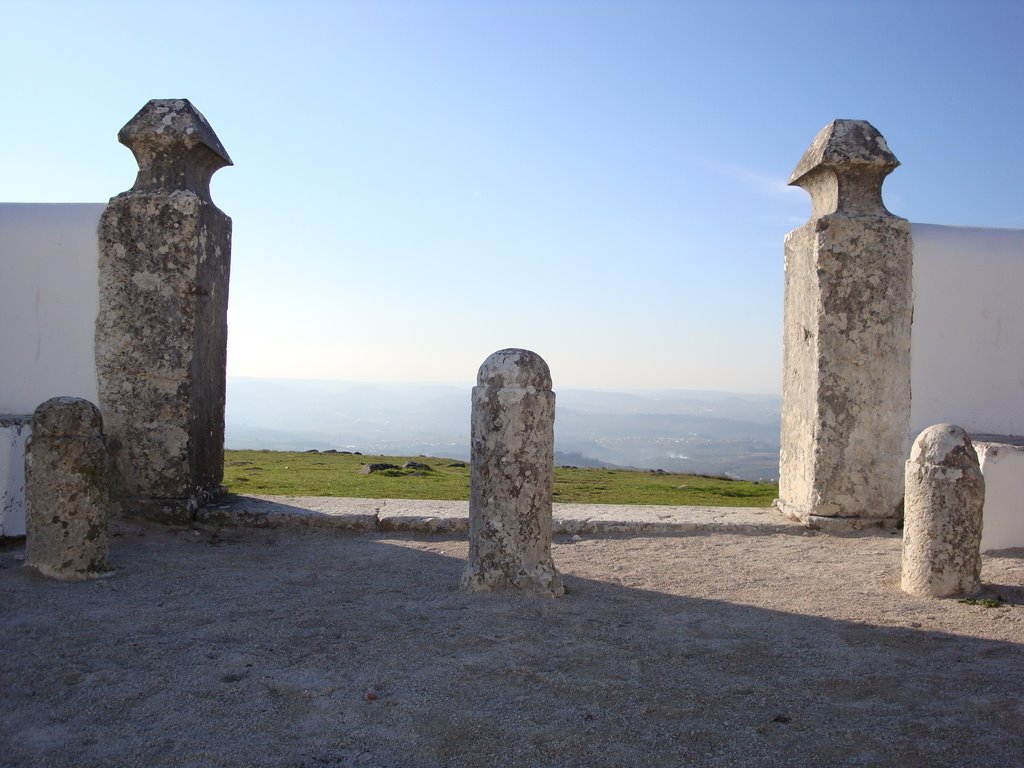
{"x":987,"y":602}
{"x":281,"y":473}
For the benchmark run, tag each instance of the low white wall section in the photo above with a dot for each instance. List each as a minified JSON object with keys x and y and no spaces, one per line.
{"x":49,"y":296}
{"x":967,"y":347}
{"x":13,"y":432}
{"x":1003,"y":521}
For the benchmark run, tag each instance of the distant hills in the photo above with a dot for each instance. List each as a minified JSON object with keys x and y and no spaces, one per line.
{"x":677,"y":430}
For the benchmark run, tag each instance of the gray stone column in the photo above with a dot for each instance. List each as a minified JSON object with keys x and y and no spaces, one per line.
{"x":161,"y":331}
{"x":66,"y":491}
{"x":846,"y":339}
{"x":511,"y":476}
{"x":945,"y":497}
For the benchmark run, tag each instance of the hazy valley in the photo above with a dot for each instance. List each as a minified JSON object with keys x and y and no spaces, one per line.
{"x":678,"y":431}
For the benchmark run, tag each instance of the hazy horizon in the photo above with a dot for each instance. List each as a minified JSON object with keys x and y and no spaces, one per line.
{"x":470,"y":383}
{"x":695,"y":431}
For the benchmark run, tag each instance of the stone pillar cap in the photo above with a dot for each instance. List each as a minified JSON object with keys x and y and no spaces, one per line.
{"x":174,"y":146}
{"x":945,"y":445}
{"x":844,"y":168}
{"x":67,"y":417}
{"x":844,"y":143}
{"x":516,"y":369}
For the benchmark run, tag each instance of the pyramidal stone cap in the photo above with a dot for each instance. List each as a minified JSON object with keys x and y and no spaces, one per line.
{"x":174,"y":146}
{"x":843,"y":143}
{"x":844,"y":168}
{"x":514,"y":369}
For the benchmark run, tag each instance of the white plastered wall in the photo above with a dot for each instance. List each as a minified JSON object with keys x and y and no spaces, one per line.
{"x":1003,"y":518}
{"x":49,"y":295}
{"x":967,"y":355}
{"x":13,"y":432}
{"x":967,"y":347}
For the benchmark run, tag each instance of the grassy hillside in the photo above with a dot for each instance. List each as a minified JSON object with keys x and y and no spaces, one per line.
{"x":341,"y":474}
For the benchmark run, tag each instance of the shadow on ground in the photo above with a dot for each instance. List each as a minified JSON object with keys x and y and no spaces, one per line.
{"x":242,"y":647}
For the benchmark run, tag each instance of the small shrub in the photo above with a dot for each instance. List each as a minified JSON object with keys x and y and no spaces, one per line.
{"x":986,"y":602}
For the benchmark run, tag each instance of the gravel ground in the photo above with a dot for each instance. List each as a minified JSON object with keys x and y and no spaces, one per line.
{"x":306,"y":647}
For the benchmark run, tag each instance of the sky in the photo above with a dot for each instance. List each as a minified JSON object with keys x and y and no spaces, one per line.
{"x":419,"y":184}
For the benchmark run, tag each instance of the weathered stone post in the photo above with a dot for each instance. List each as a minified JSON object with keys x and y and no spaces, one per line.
{"x":511,"y":476}
{"x":161,"y":331}
{"x":846,"y":345}
{"x":66,"y":491}
{"x":945,"y":496}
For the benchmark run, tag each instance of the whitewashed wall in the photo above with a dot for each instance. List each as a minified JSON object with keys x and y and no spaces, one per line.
{"x":967,"y":355}
{"x":13,"y":432}
{"x":967,"y":347}
{"x":49,"y":297}
{"x":1003,"y":517}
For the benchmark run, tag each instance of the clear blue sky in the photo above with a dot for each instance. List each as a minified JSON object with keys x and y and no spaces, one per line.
{"x":419,"y":184}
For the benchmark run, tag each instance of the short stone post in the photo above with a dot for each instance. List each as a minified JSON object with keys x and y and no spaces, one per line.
{"x":945,"y":495}
{"x":511,"y":476}
{"x":66,"y":491}
{"x":161,"y":330}
{"x":846,"y":339}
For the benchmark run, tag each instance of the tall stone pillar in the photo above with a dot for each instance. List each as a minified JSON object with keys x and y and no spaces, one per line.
{"x":161,"y":331}
{"x":846,"y":345}
{"x":511,"y":476}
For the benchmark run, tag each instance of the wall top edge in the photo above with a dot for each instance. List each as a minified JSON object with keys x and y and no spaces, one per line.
{"x":1015,"y":440}
{"x":939,"y":228}
{"x":51,"y":205}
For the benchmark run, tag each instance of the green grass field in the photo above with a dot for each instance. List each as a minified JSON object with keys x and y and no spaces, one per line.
{"x":339,"y":474}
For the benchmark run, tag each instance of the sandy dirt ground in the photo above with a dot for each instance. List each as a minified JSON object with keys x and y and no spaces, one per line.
{"x":305,"y":647}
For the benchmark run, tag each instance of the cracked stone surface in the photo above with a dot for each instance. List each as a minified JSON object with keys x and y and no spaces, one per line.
{"x":945,"y":497}
{"x":846,"y":339}
{"x":66,"y":491}
{"x":512,"y":472}
{"x":161,"y":329}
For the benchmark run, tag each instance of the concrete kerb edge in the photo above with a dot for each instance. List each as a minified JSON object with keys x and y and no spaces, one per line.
{"x":452,"y":518}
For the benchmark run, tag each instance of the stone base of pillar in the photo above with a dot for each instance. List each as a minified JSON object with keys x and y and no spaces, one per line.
{"x":169,"y":511}
{"x":543,"y":579}
{"x":836,"y":525}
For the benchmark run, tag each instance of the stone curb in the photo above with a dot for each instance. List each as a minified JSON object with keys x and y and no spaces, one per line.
{"x":452,"y":517}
